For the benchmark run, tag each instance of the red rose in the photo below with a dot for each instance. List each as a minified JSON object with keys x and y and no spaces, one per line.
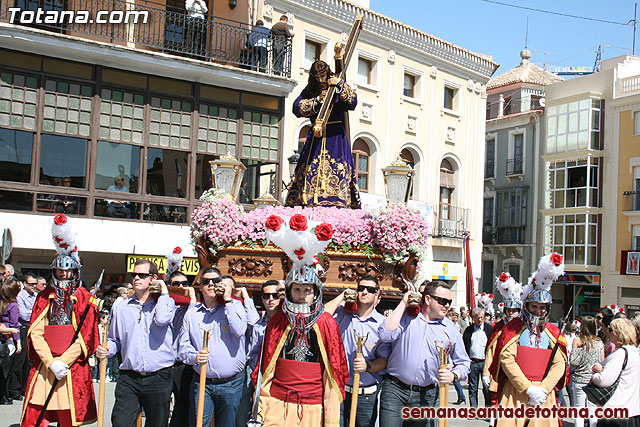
{"x":274,"y":222}
{"x":177,"y":250}
{"x":298,"y":222}
{"x":58,"y":239}
{"x":324,"y":232}
{"x":504,"y":277}
{"x":483,"y":294}
{"x":556,"y":259}
{"x":300,"y":252}
{"x":621,"y":309}
{"x":63,"y":245}
{"x":60,"y":219}
{"x":491,"y":296}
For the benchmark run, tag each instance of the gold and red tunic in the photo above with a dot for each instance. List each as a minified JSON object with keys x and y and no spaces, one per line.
{"x":46,"y":344}
{"x":295,"y":393}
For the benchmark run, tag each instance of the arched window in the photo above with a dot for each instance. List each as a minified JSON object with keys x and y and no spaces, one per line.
{"x":447,"y":186}
{"x":361,"y":156}
{"x":407,"y":157}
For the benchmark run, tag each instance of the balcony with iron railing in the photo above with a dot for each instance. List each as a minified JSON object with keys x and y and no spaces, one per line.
{"x":488,"y":234}
{"x":631,"y":201}
{"x":511,"y":235}
{"x":514,"y":166}
{"x":451,"y":221}
{"x":157,"y":27}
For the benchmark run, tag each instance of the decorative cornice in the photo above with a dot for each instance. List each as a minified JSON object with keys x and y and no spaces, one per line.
{"x":397,"y":32}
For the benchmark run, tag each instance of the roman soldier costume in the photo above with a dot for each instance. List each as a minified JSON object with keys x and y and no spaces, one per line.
{"x":303,"y":363}
{"x":530,"y":358}
{"x":56,"y":316}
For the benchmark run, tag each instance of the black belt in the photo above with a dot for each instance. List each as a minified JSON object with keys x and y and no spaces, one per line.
{"x":224,"y":380}
{"x":146,"y":374}
{"x":477,"y":360}
{"x":408,"y":386}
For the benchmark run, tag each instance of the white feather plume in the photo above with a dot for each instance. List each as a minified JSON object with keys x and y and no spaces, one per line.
{"x":174,"y":260}
{"x":63,"y":237}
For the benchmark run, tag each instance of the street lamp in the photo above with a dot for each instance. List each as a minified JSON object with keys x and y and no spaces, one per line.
{"x":293,"y":162}
{"x":226,"y":173}
{"x":398,"y":178}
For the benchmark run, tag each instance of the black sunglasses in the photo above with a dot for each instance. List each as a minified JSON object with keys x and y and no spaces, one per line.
{"x":180,"y":283}
{"x":370,"y":289}
{"x":31,"y":283}
{"x":211,"y":281}
{"x":442,"y":301}
{"x":272,"y":295}
{"x":141,"y":275}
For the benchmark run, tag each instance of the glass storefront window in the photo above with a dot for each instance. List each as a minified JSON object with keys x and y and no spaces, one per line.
{"x":61,"y":203}
{"x":165,"y":213}
{"x":117,"y":167}
{"x":15,"y":155}
{"x":167,"y":172}
{"x":63,"y":161}
{"x":16,"y":200}
{"x":116,"y":209}
{"x":203,"y":174}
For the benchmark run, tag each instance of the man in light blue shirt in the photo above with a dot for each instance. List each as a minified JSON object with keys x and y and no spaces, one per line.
{"x":413,"y":370}
{"x":141,"y":329}
{"x":21,"y":365}
{"x":227,"y":324}
{"x":364,"y":322}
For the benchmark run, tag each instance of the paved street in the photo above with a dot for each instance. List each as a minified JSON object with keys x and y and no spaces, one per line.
{"x":10,"y":415}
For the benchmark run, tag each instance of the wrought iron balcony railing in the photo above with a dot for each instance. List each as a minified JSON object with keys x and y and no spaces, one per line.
{"x":488,"y":234}
{"x":451,"y":221}
{"x":489,"y":169}
{"x":161,"y":28}
{"x":631,"y":201}
{"x":514,"y":166}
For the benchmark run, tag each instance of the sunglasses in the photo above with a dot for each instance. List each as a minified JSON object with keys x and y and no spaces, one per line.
{"x":211,"y":281}
{"x":180,"y":283}
{"x":31,"y":283}
{"x":273,"y":295}
{"x":370,"y":289}
{"x":141,"y":275}
{"x":442,"y":301}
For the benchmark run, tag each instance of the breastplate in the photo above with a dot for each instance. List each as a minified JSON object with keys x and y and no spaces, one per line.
{"x":61,"y":307}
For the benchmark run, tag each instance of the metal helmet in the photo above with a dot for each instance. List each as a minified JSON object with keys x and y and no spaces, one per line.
{"x":66,"y":262}
{"x":513,"y":303}
{"x":304,"y":275}
{"x":541,"y":296}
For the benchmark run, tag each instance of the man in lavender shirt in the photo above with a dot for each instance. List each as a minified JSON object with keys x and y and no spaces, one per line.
{"x":413,"y":370}
{"x":141,"y":329}
{"x":227,"y":324}
{"x":21,"y":363}
{"x":364,"y":321}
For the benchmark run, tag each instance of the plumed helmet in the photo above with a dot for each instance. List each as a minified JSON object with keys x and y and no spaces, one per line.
{"x":67,"y":259}
{"x":510,"y":290}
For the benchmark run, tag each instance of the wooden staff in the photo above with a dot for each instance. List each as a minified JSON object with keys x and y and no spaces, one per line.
{"x":355,"y":392}
{"x":103,"y":376}
{"x":443,"y":352}
{"x":139,"y":420}
{"x":203,"y":382}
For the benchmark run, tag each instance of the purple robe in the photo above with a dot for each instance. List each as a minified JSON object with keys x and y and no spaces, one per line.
{"x":325,"y":178}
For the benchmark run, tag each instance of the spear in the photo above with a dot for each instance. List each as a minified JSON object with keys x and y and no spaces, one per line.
{"x":103,"y":375}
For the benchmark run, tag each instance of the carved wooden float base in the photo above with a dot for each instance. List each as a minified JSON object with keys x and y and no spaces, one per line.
{"x":252,"y":266}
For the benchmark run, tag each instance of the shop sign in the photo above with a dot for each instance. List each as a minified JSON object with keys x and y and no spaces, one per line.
{"x":190,"y":266}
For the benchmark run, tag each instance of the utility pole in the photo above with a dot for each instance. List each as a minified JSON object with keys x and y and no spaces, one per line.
{"x":635,"y":10}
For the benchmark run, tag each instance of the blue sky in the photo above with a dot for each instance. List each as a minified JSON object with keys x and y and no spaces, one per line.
{"x":499,"y":31}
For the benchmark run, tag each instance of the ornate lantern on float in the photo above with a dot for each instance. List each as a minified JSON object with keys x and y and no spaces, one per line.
{"x":398,"y":179}
{"x":227,"y":173}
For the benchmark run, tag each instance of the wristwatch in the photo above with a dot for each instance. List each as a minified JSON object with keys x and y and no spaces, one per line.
{"x":227,"y":301}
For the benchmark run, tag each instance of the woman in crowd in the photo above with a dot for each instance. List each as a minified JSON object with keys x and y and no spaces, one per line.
{"x":9,"y":318}
{"x":622,"y":333}
{"x":587,"y":350}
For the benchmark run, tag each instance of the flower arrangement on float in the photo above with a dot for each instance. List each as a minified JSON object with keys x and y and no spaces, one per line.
{"x":394,"y":233}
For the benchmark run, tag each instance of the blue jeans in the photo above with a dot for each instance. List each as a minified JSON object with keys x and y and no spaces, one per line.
{"x":475,"y":378}
{"x":367,"y":411}
{"x":394,"y":397}
{"x":459,"y":391}
{"x":246,"y":402}
{"x":224,"y":398}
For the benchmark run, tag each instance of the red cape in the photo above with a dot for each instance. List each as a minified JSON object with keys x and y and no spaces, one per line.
{"x":331,"y":338}
{"x":496,"y":330}
{"x":84,"y":404}
{"x":513,"y":330}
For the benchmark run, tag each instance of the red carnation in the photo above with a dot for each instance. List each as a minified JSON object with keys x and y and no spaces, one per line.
{"x":491,"y":296}
{"x":484,"y":293}
{"x":60,"y":219}
{"x":298,"y":222}
{"x":63,"y":245}
{"x":300,"y":252}
{"x":177,"y":250}
{"x":58,"y":239}
{"x":274,"y":222}
{"x":556,"y":259}
{"x":504,"y":277}
{"x":621,"y":309}
{"x":324,"y":232}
